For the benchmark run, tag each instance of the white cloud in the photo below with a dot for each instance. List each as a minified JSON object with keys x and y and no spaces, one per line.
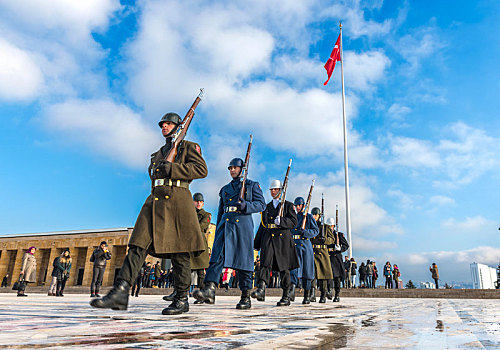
{"x":440,"y":200}
{"x":398,"y":111}
{"x":414,"y":153}
{"x":103,"y":126}
{"x":369,"y":245}
{"x":406,"y":201}
{"x":363,"y":70}
{"x":471,"y":225}
{"x":20,"y":76}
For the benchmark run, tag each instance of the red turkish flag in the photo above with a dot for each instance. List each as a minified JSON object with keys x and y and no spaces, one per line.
{"x":334,"y":57}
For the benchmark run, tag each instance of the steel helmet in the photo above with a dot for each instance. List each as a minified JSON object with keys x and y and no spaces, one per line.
{"x":316,"y":211}
{"x":198,"y":197}
{"x":330,"y":222}
{"x":299,"y":201}
{"x":275,"y":184}
{"x":236,"y":162}
{"x":170,"y":117}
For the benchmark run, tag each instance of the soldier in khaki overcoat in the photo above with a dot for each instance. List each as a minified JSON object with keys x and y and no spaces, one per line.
{"x":167,"y":226}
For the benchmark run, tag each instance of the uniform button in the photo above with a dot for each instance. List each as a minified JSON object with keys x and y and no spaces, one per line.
{"x":157,"y":169}
{"x":237,"y":220}
{"x":156,"y":199}
{"x":272,"y":235}
{"x":167,"y":197}
{"x":227,"y":219}
{"x":281,"y":234}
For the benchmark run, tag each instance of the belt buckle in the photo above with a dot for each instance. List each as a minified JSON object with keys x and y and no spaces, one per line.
{"x":231,"y":209}
{"x":271,"y":226}
{"x":159,"y":182}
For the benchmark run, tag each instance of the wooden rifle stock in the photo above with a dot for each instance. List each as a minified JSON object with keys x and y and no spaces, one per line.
{"x":244,"y":171}
{"x":283,"y":191}
{"x":337,"y":224}
{"x":182,"y":129}
{"x":322,"y":218}
{"x":306,"y":208}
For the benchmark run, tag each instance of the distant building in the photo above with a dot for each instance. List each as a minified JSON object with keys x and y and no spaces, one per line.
{"x":427,"y":285}
{"x":81,"y":244}
{"x":483,"y":276}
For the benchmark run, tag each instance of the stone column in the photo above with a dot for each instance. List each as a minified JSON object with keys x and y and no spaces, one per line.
{"x":89,"y":267}
{"x":109,"y":273}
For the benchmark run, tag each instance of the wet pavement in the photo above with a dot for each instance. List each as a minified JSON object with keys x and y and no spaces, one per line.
{"x":39,"y":321}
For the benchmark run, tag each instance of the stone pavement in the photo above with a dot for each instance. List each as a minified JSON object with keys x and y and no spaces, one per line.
{"x":39,"y":321}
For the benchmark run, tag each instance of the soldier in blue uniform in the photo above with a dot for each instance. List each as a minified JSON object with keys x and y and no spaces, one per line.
{"x":234,"y":236}
{"x":304,"y":249}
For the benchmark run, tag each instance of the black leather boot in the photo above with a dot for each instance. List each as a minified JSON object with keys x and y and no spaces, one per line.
{"x":291,"y":292}
{"x":245,"y":302}
{"x":322,"y":297}
{"x":336,"y":299}
{"x":179,"y":305}
{"x":307,"y":297}
{"x":329,"y":294}
{"x":116,"y":299}
{"x":285,"y":299}
{"x":313,"y":295}
{"x":260,"y":292}
{"x":206,"y":294}
{"x":169,"y":297}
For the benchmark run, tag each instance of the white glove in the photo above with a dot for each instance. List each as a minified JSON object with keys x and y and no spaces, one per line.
{"x":277,"y":221}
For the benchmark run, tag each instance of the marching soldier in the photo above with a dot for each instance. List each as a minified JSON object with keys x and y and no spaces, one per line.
{"x":304,"y":249}
{"x":233,"y":243}
{"x":277,"y":249}
{"x":339,"y":246}
{"x":154,"y":234}
{"x":322,"y":265}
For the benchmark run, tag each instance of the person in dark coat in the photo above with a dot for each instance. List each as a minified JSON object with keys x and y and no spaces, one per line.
{"x":277,"y":249}
{"x":167,"y":226}
{"x":62,"y":266}
{"x":339,"y":246}
{"x":201,"y":262}
{"x":362,"y":275}
{"x":322,"y":266}
{"x":234,"y":234}
{"x":136,"y":287}
{"x":304,"y":249}
{"x":4,"y":280}
{"x":99,"y":257}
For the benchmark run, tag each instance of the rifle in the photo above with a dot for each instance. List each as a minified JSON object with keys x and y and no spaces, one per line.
{"x":283,"y":190}
{"x":182,"y":129}
{"x":322,"y":219}
{"x":337,"y":223}
{"x":244,"y":170}
{"x":306,"y":208}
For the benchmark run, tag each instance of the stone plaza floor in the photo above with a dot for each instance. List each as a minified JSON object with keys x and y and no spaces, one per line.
{"x":39,"y":321}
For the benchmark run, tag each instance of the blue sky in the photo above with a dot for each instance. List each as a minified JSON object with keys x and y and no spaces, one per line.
{"x":83,"y":84}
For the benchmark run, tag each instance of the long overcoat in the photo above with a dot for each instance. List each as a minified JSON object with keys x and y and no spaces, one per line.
{"x":303,"y":245}
{"x":322,"y":265}
{"x":202,"y":261}
{"x":29,"y":267}
{"x":277,"y":249}
{"x":336,"y":253}
{"x":234,"y":231}
{"x":168,"y":222}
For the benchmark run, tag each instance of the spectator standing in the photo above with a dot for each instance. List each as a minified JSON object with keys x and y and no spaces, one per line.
{"x":369,"y":273}
{"x":435,"y":274}
{"x":396,"y":273}
{"x":151,"y":280}
{"x":388,"y":275}
{"x":362,"y":275}
{"x":28,"y":271}
{"x":158,"y":272}
{"x":354,"y":267}
{"x":145,"y":279}
{"x":375,"y":274}
{"x":99,"y":257}
{"x":60,"y":273}
{"x":347,"y":266}
{"x":136,"y":287}
{"x":4,"y":280}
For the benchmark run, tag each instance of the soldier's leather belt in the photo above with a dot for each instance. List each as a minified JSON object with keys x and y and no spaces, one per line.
{"x":170,"y":182}
{"x":230,"y":209}
{"x":272,"y":226}
{"x":320,"y":246}
{"x":333,"y":250}
{"x":299,"y":237}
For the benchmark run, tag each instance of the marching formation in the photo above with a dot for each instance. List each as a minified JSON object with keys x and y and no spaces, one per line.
{"x":304,"y":247}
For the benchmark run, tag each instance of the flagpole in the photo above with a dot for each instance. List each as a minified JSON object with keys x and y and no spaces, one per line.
{"x":346,"y":167}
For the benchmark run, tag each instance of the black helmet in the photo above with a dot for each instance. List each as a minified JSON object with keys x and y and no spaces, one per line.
{"x":236,"y":162}
{"x":170,"y":117}
{"x":198,"y":197}
{"x":315,"y":211}
{"x":299,"y":201}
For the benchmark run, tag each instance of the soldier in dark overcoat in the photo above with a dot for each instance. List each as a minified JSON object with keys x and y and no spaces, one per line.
{"x":201,"y":262}
{"x":167,"y":226}
{"x":322,"y":266}
{"x":336,"y":249}
{"x":304,"y":249}
{"x":234,"y":233}
{"x":277,"y":249}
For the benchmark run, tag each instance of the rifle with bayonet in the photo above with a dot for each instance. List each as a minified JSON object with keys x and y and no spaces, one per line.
{"x":322,"y":220}
{"x":306,"y":208}
{"x":244,"y":170}
{"x":283,"y":191}
{"x":182,"y":129}
{"x":337,"y":224}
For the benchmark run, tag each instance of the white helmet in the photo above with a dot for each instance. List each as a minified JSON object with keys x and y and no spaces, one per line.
{"x":275,"y":184}
{"x":330,"y":221}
